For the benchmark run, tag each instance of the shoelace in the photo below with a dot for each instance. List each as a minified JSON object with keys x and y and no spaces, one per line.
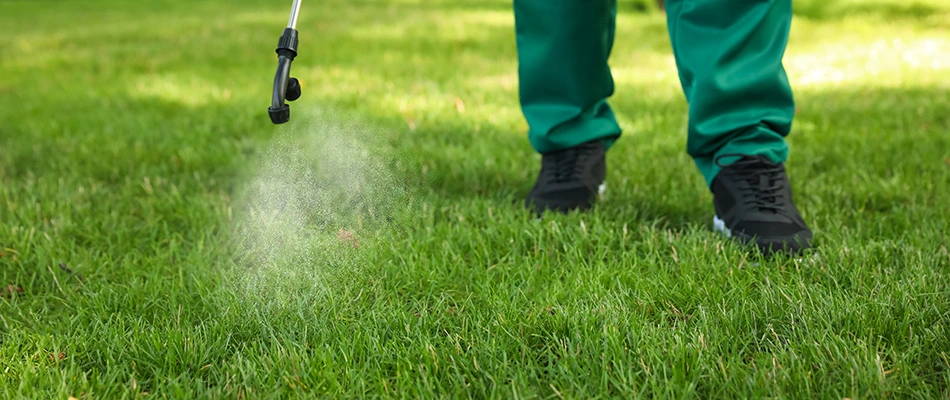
{"x":565,"y":165}
{"x":763,"y":180}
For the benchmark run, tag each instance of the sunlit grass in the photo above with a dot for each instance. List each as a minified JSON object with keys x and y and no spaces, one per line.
{"x":159,"y":237}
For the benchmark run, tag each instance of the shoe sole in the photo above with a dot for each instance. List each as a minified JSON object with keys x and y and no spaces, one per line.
{"x":720,"y":226}
{"x":775,"y":246}
{"x":600,"y":192}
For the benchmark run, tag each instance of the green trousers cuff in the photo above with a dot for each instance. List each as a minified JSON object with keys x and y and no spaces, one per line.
{"x":729,"y":57}
{"x":564,"y":79}
{"x":728,"y":54}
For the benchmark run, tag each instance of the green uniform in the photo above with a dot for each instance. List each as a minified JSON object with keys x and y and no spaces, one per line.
{"x":728,"y":53}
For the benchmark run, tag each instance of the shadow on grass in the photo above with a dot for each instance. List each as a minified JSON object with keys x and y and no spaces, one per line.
{"x":852,"y":149}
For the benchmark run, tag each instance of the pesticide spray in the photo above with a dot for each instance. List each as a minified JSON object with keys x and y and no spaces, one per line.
{"x":317,"y":192}
{"x":316,"y":195}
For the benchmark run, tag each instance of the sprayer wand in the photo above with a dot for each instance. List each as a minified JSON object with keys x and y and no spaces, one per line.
{"x":285,"y":87}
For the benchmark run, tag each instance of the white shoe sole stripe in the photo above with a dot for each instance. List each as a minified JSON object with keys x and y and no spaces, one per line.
{"x":720,"y":226}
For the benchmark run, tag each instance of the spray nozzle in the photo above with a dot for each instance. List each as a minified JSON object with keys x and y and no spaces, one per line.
{"x":285,"y":87}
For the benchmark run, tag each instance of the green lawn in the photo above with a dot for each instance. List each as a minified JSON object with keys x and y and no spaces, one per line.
{"x":160,"y":237}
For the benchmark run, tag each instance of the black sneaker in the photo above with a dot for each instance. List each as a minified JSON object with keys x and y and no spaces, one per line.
{"x":569,"y":179}
{"x":753,"y":203}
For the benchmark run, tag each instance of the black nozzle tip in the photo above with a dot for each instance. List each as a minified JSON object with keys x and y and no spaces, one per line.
{"x":279,"y":115}
{"x":293,"y":89}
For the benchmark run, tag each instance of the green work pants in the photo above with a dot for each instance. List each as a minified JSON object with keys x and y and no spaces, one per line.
{"x":728,"y":54}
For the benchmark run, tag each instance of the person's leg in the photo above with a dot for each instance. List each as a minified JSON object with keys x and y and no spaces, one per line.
{"x":729,"y":56}
{"x":564,"y":83}
{"x":564,"y":79}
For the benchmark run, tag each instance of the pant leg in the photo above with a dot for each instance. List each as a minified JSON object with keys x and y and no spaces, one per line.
{"x":729,"y":55}
{"x":564,"y":79}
